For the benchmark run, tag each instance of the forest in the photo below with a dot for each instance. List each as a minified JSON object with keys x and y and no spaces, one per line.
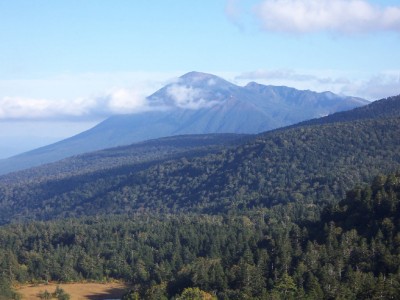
{"x":304,"y":165}
{"x":305,"y":212}
{"x":351,"y":252}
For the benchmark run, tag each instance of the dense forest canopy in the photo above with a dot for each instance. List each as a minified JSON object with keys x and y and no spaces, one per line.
{"x":304,"y":165}
{"x":255,"y":255}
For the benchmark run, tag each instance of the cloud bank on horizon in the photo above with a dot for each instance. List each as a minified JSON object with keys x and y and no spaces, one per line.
{"x":336,"y":16}
{"x":119,"y":101}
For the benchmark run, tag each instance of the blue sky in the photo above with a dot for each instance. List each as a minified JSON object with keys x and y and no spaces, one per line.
{"x":66,"y":65}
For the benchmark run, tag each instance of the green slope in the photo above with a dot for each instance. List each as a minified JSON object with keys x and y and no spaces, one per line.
{"x":153,"y":151}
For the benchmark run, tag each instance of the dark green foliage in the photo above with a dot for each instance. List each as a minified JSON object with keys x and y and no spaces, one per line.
{"x":131,"y":295}
{"x":149,"y":151}
{"x":195,"y":294}
{"x":8,"y":274}
{"x":258,"y":255}
{"x":372,"y":210}
{"x":60,"y":294}
{"x":5,"y":288}
{"x":306,"y":165}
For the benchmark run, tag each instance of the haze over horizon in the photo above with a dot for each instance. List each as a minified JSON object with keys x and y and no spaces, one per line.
{"x":66,"y":65}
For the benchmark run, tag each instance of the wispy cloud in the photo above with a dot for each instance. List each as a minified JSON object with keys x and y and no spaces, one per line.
{"x":285,"y":74}
{"x":336,"y":16}
{"x":188,"y":97}
{"x":372,"y":87}
{"x":288,"y":75}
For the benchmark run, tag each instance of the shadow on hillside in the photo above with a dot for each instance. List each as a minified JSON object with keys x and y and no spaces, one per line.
{"x":113,"y":293}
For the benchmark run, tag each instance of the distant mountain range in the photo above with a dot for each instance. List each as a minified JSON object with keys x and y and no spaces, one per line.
{"x":197,"y":103}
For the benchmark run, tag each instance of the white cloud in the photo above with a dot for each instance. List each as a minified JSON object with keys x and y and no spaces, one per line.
{"x":343,"y":16}
{"x":17,"y":108}
{"x":187,"y":97}
{"x":117,"y":101}
{"x":121,"y":101}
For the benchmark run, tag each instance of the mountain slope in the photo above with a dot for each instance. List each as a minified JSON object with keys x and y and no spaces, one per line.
{"x":197,"y":103}
{"x":150,"y":152}
{"x":386,"y":108}
{"x":351,"y":253}
{"x":303,"y":165}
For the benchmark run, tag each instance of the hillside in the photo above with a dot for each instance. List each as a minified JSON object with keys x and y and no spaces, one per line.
{"x":151,"y":152}
{"x":304,"y":165}
{"x":386,"y":108}
{"x":197,"y":103}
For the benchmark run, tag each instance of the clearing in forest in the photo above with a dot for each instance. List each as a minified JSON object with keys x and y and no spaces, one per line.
{"x":77,"y":291}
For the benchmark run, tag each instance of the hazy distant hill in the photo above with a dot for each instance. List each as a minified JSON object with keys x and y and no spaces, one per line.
{"x":145,"y":153}
{"x":197,"y":103}
{"x":386,"y":108}
{"x":303,"y":165}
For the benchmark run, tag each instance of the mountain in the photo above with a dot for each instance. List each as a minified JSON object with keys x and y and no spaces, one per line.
{"x":307,"y":166}
{"x":197,"y":103}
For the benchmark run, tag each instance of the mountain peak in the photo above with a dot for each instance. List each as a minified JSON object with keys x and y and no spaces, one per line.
{"x":194,"y":75}
{"x":202,"y":79}
{"x":252,"y":84}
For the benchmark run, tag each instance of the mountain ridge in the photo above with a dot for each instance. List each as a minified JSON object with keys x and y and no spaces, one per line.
{"x":386,"y":108}
{"x":196,"y":103}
